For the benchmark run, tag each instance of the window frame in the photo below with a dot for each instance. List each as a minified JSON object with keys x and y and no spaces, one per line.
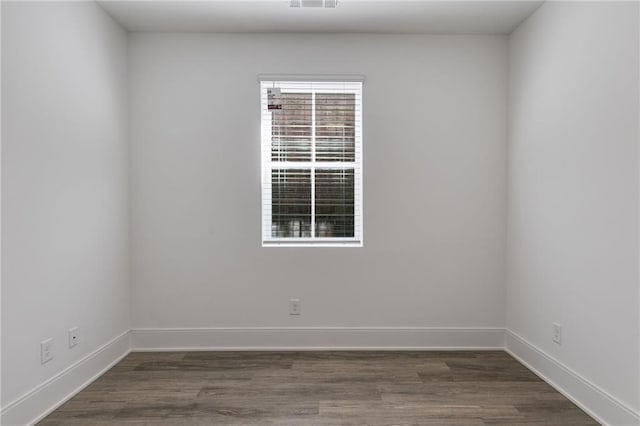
{"x":313,"y":85}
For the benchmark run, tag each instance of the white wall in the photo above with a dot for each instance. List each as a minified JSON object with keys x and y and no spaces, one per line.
{"x":573,"y":190}
{"x":64,"y":186}
{"x":434,"y":184}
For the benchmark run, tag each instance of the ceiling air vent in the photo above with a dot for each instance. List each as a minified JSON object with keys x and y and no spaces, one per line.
{"x":328,"y":4}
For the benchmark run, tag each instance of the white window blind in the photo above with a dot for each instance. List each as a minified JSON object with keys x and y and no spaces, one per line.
{"x":312,"y":163}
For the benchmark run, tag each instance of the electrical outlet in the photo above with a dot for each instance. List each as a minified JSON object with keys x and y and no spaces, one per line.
{"x":46,"y":351}
{"x":294,"y":307}
{"x":557,"y":333}
{"x":73,"y":336}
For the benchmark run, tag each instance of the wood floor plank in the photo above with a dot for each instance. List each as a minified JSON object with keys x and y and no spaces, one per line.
{"x":463,"y":388}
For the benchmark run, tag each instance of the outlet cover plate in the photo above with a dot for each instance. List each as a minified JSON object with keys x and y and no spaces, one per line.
{"x":294,"y":307}
{"x":557,"y":333}
{"x":46,"y":351}
{"x":73,"y":337}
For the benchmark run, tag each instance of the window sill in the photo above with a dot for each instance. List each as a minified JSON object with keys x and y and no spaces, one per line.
{"x":312,"y":243}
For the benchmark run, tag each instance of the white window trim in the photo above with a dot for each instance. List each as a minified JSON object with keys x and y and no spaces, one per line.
{"x":288,"y":84}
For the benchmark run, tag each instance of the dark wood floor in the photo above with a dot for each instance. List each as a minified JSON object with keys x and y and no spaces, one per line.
{"x":319,"y":388}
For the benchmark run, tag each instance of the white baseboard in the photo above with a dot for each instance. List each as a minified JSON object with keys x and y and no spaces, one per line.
{"x":37,"y":403}
{"x":593,"y":400}
{"x":317,"y":338}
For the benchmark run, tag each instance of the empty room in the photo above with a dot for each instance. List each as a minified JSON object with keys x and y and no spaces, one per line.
{"x":320,"y":212}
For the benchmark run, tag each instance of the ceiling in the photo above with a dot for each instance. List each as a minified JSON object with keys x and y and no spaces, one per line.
{"x":350,"y":16}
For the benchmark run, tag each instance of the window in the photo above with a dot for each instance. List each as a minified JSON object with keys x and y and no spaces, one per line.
{"x":311,"y":162}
